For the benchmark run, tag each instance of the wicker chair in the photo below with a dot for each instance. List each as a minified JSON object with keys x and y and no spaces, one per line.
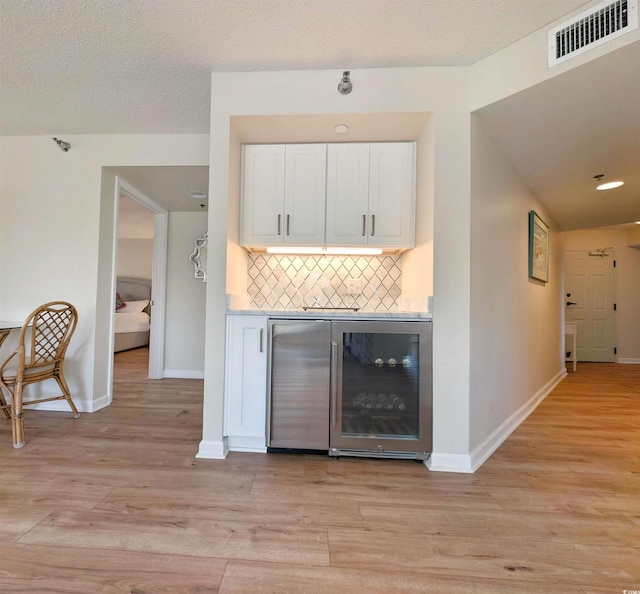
{"x":39,"y":356}
{"x":3,"y":335}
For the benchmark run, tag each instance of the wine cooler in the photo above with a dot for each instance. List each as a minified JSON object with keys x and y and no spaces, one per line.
{"x":381,"y":395}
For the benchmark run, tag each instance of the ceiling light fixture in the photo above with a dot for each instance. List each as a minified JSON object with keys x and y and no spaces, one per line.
{"x":65,"y":147}
{"x":341,"y":129}
{"x":345,"y":87}
{"x":198,"y":195}
{"x":610,"y":185}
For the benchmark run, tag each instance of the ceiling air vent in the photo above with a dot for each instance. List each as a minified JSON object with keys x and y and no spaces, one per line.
{"x":592,"y":28}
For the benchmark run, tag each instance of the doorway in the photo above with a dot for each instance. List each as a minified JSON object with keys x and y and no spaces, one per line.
{"x":158,"y":266}
{"x":590,"y":302}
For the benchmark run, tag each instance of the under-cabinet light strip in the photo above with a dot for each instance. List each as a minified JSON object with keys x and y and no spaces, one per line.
{"x":325,"y":251}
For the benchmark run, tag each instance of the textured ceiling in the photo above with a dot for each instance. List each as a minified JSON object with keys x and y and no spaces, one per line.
{"x":143,"y":66}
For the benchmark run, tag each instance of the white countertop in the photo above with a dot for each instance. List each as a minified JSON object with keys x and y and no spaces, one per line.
{"x":332,"y":314}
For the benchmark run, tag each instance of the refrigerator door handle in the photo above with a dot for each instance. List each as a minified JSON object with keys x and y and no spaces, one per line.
{"x":269,"y":371}
{"x":334,"y":381}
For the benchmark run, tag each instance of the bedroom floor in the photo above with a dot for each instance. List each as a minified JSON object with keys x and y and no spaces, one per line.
{"x":116,"y":502}
{"x":128,"y":365}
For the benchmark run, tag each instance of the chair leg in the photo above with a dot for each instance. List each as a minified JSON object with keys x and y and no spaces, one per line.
{"x":17,"y":418}
{"x":3,"y":403}
{"x":66,"y":393}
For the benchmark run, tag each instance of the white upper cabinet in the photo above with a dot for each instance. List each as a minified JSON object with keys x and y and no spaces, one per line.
{"x":283,"y":195}
{"x":391,"y":194}
{"x":262,"y":194}
{"x":371,"y":194}
{"x":347,"y":194}
{"x":366,"y":191}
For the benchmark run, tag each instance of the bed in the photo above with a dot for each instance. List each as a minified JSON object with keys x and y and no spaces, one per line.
{"x":132,"y":321}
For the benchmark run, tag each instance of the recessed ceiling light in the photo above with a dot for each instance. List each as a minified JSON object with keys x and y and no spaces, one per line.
{"x":341,"y":128}
{"x":637,"y":222}
{"x":198,"y":195}
{"x":610,"y":185}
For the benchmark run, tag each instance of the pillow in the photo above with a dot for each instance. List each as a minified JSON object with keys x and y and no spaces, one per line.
{"x":136,"y":306}
{"x":119,"y":302}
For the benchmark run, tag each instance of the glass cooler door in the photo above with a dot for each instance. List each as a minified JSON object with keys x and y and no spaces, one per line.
{"x":381,"y":400}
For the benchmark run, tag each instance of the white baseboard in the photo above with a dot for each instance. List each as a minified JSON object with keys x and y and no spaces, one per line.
{"x":628,"y":360}
{"x":249,"y":449}
{"x":83,"y":406}
{"x":246,"y":444}
{"x":183,"y":374}
{"x":480,"y":453}
{"x":213,"y":450}
{"x":469,"y":463}
{"x":439,"y":462}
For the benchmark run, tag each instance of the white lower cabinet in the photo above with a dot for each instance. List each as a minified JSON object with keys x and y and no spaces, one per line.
{"x":245,"y":401}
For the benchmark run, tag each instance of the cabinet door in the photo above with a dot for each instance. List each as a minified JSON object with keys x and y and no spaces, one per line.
{"x":391,"y":194}
{"x":304,"y":203}
{"x":262,"y":218}
{"x":246,"y":383}
{"x":347,"y":194}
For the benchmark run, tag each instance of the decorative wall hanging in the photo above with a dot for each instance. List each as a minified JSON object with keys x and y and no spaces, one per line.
{"x":199,"y":257}
{"x":538,"y":248}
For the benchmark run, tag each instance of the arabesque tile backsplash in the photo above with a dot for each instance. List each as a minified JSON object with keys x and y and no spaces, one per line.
{"x":293,"y":282}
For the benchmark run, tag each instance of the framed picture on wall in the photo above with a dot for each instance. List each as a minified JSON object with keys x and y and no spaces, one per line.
{"x":538,"y":248}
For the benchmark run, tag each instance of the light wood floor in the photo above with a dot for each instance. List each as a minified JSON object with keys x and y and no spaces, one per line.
{"x":116,"y":502}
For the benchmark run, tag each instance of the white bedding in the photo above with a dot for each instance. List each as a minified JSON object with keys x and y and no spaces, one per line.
{"x":131,"y":322}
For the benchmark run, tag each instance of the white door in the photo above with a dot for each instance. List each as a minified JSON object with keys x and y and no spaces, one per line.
{"x":391,"y":194}
{"x":347,"y":193}
{"x":589,"y":301}
{"x":304,"y":194}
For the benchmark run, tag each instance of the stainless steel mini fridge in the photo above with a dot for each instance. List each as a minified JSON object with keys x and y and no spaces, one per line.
{"x":381,"y":393}
{"x":299,"y":380}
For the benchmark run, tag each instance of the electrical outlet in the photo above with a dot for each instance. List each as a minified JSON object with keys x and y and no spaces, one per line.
{"x":354,"y":286}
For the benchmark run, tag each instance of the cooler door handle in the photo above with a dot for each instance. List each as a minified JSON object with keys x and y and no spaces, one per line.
{"x":334,"y":382}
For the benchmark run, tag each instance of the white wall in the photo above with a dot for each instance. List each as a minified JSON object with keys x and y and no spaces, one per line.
{"x":135,"y":258}
{"x":57,"y":234}
{"x":417,"y":263}
{"x":633,"y":237}
{"x":515,"y":321}
{"x":237,"y":258}
{"x":185,"y":312}
{"x":627,"y":284}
